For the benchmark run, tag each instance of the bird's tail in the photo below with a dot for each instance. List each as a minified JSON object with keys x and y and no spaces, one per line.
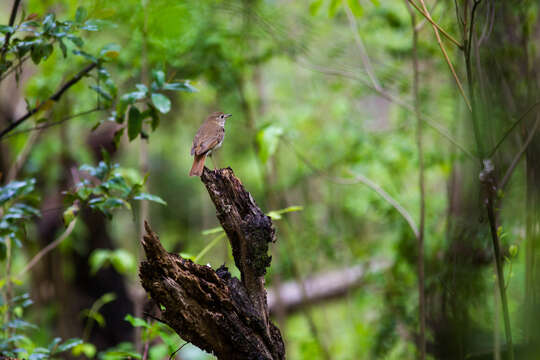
{"x":198,"y":165}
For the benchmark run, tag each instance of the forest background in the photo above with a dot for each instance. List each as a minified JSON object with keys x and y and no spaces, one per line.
{"x":393,"y":143}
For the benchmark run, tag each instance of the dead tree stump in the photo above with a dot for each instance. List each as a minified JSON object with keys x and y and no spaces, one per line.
{"x":220,"y":314}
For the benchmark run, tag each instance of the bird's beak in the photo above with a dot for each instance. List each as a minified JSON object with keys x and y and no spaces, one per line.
{"x":228,"y":116}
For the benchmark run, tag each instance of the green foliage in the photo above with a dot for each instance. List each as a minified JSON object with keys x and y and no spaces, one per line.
{"x":106,"y":189}
{"x":122,"y":260}
{"x":153,"y":331}
{"x":16,"y":200}
{"x":15,"y":341}
{"x":93,"y":316}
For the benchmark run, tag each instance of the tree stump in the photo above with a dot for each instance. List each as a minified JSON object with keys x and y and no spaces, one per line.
{"x":219,"y":314}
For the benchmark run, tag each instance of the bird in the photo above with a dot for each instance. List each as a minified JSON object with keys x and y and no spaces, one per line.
{"x":208,"y":138}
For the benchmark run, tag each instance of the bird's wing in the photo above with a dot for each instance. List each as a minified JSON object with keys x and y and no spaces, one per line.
{"x":208,"y":143}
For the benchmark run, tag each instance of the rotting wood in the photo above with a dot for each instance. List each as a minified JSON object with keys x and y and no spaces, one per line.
{"x":219,"y":314}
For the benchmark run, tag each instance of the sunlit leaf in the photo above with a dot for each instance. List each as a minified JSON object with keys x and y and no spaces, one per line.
{"x":136,"y":322}
{"x":161,"y":102}
{"x":150,"y":197}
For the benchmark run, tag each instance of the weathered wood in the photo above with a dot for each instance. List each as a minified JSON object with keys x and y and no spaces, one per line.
{"x":220,"y":314}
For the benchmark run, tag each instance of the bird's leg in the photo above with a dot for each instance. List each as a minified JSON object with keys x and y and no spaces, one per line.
{"x":213,"y":160}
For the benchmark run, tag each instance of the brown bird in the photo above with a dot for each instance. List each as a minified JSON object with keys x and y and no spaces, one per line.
{"x":208,"y":138}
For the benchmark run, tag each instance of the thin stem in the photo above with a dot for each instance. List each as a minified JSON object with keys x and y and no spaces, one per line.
{"x":476,"y":129}
{"x":47,"y":249}
{"x":55,"y":97}
{"x":51,"y":124}
{"x":509,"y":131}
{"x":208,"y":247}
{"x":427,"y":16}
{"x":9,"y":283}
{"x":396,"y":100}
{"x":439,"y":41}
{"x":358,"y":178}
{"x":419,"y":145}
{"x":498,"y":263}
{"x":517,"y":158}
{"x":14,"y":68}
{"x":8,"y":36}
{"x":362,"y":49}
{"x":389,"y":199}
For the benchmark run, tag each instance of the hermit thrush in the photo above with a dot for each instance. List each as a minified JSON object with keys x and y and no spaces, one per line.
{"x":209,"y":137}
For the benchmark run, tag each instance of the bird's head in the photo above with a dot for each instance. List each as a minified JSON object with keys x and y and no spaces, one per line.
{"x":220,"y":117}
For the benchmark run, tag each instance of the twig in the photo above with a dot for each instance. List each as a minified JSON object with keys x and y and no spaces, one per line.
{"x":435,"y":29}
{"x":389,"y":199}
{"x":516,"y":160}
{"x":490,"y":186}
{"x":516,"y":123}
{"x":55,"y":97}
{"x":8,"y":35}
{"x":435,"y":25}
{"x":419,"y":144}
{"x":395,"y":99}
{"x":358,"y":178}
{"x":49,"y":247}
{"x":361,"y":47}
{"x":22,"y":157}
{"x":14,"y":68}
{"x":209,"y":247}
{"x":51,"y":124}
{"x":145,"y":351}
{"x":177,"y":350}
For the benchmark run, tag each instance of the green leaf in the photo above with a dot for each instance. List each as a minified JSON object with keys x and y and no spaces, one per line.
{"x":315,"y":6}
{"x":267,"y":138}
{"x":80,"y":14}
{"x":4,"y":29}
{"x":110,"y":51}
{"x":118,"y":136}
{"x":91,"y":25}
{"x":333,"y":7}
{"x":15,"y":189}
{"x":154,"y":116}
{"x":53,"y":343}
{"x":62,"y":47}
{"x":70,"y":214}
{"x":134,"y":123}
{"x":75,"y":40}
{"x":213,"y":231}
{"x":71,"y":343}
{"x":102,"y":92}
{"x":123,"y":261}
{"x":136,"y":322}
{"x":159,"y":77}
{"x":356,"y":7}
{"x":48,"y":22}
{"x":98,"y":258}
{"x":180,"y":86}
{"x":161,"y":102}
{"x":150,"y":197}
{"x":89,"y":350}
{"x":142,"y":88}
{"x":276,"y":214}
{"x":85,"y":55}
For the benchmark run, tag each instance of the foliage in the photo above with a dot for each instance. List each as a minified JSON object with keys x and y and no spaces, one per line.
{"x":306,"y":116}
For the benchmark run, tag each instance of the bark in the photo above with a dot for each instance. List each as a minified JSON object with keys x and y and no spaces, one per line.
{"x":220,"y":314}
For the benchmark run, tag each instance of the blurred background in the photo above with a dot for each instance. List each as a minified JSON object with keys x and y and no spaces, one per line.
{"x":389,"y":164}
